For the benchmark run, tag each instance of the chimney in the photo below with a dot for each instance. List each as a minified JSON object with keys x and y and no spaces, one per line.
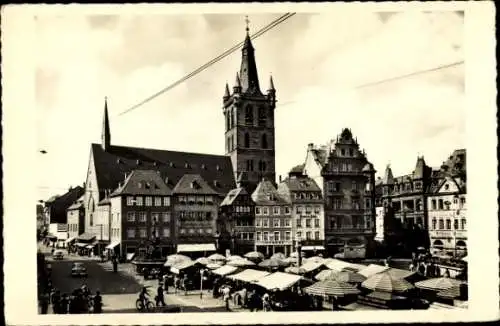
{"x":310,"y":146}
{"x":279,"y":177}
{"x":84,"y":185}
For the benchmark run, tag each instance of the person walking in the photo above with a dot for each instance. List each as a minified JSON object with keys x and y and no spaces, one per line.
{"x":226,"y":292}
{"x":44,"y":303}
{"x":63,"y":308}
{"x":56,"y":298}
{"x":160,"y":298}
{"x":165,"y":282}
{"x":266,"y":304}
{"x":97,"y":302}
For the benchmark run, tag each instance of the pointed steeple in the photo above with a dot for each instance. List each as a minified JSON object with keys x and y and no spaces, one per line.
{"x":106,"y":134}
{"x":388,"y":177}
{"x":237,"y":84}
{"x":419,"y":168}
{"x":271,"y":84}
{"x":248,"y":71}
{"x":226,"y":92}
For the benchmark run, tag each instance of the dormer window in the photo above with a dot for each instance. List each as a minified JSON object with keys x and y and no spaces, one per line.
{"x":119,"y":160}
{"x":195,"y":185}
{"x":138,"y":162}
{"x":139,"y":185}
{"x":148,"y":185}
{"x":216,"y":183}
{"x":203,"y":167}
{"x":186,"y":165}
{"x":217,"y":167}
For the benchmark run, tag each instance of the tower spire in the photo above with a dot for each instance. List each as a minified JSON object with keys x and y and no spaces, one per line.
{"x":248,"y":71}
{"x":237,"y":84}
{"x":226,"y":92}
{"x":106,"y":134}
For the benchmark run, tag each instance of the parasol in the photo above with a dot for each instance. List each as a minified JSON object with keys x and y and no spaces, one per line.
{"x":385,"y":282}
{"x":331,"y":288}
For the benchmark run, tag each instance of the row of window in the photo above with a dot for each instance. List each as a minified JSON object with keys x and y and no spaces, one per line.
{"x":231,"y":143}
{"x":242,"y":209}
{"x":343,"y":167}
{"x":308,"y":223}
{"x":72,"y":227}
{"x":198,"y":200}
{"x":148,"y":201}
{"x":306,"y":195}
{"x":186,"y":216}
{"x":336,"y":186}
{"x":307,"y":210}
{"x":276,"y":236}
{"x":262,"y":166}
{"x":142,"y":217}
{"x":339,"y":203}
{"x":264,"y":222}
{"x":445,"y":205}
{"x":344,"y":222}
{"x":231,"y":117}
{"x":143,"y":233}
{"x":456,"y":224}
{"x":276,"y":210}
{"x":196,"y":231}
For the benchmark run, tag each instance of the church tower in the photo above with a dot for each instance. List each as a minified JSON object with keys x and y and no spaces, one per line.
{"x":249,"y":123}
{"x":106,"y":135}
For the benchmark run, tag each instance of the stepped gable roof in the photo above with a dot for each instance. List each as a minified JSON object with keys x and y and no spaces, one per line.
{"x":266,"y":194}
{"x":112,"y":165}
{"x":143,"y":182}
{"x":193,"y":184}
{"x":232,"y":195}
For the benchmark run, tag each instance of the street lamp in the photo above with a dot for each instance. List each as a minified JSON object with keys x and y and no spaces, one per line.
{"x":202,"y":277}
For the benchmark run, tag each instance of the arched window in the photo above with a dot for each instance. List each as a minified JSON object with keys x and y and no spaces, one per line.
{"x":249,"y":115}
{"x":262,"y":116}
{"x":246,"y":140}
{"x":264,"y":141}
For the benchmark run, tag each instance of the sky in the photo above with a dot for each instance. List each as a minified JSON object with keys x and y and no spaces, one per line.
{"x":316,"y":60}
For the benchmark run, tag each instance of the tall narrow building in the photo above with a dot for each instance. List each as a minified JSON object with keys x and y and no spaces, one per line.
{"x":249,"y":123}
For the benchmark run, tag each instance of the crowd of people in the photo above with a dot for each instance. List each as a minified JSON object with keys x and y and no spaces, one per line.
{"x":80,"y":301}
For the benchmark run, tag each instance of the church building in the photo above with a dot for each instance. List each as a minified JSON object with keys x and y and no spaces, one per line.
{"x":145,"y":195}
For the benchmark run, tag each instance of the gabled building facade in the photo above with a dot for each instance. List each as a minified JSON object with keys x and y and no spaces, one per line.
{"x":448,"y":217}
{"x":76,"y":217}
{"x":349,"y":187}
{"x":307,"y":207}
{"x":273,"y":220}
{"x":237,"y":217}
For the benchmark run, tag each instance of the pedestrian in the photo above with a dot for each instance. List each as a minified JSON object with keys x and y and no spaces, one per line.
{"x":226,"y":292}
{"x":266,"y":304}
{"x":63,"y":309}
{"x":185,"y":284}
{"x":44,"y":303}
{"x":177,"y":283}
{"x":165,"y":282}
{"x":56,"y":298}
{"x":412,"y":267}
{"x":160,"y":298}
{"x":115,"y":265}
{"x":97,"y":302}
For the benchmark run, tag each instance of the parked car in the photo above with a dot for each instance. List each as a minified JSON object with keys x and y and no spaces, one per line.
{"x":58,"y":255}
{"x":78,"y":270}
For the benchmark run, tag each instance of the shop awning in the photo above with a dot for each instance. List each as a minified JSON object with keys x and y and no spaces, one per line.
{"x":249,"y":275}
{"x":279,"y":281}
{"x":113,"y":244}
{"x":311,"y":266}
{"x":198,"y":247}
{"x":339,"y":265}
{"x":90,"y":246}
{"x":181,"y":266}
{"x":225,"y":270}
{"x":86,"y":237}
{"x":372,"y":269}
{"x":81,"y":245}
{"x":313,"y":248}
{"x":130,"y":256}
{"x":70,"y":239}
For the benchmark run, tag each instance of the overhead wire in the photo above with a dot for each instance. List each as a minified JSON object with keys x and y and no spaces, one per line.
{"x":226,"y":53}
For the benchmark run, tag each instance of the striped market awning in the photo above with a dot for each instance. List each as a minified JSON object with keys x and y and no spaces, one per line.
{"x":385,"y":282}
{"x":331,"y":288}
{"x":438,"y":283}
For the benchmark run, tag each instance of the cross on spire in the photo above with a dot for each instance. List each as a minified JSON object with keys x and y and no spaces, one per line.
{"x":247,"y":21}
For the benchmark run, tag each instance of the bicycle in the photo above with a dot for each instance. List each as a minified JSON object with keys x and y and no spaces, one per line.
{"x":145,"y":304}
